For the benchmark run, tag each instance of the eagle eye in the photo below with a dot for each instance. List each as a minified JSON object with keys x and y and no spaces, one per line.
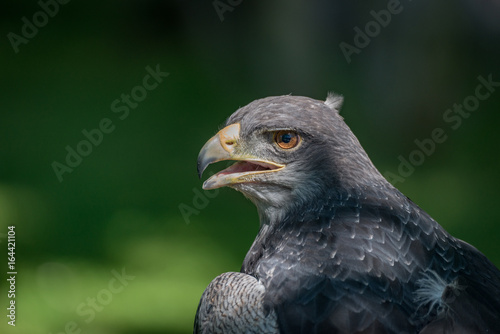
{"x":286,"y":139}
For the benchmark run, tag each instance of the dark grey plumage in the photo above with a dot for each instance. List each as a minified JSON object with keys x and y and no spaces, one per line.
{"x":339,"y":250}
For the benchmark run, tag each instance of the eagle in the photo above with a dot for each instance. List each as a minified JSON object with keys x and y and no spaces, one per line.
{"x":339,"y":249}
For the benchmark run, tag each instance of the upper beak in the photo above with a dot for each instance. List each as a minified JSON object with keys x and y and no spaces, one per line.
{"x":222,"y":147}
{"x":219,"y":147}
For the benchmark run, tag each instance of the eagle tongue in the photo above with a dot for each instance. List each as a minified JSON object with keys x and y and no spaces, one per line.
{"x":241,"y":167}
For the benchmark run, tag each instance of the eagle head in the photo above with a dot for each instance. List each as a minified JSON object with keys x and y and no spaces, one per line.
{"x":289,"y":151}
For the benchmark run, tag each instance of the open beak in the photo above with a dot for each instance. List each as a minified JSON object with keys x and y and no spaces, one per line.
{"x":222,"y":147}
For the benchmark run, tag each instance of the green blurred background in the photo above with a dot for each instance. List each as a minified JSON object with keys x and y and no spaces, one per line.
{"x":119,"y":209}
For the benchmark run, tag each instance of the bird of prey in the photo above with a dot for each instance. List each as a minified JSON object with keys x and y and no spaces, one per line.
{"x":339,"y":250}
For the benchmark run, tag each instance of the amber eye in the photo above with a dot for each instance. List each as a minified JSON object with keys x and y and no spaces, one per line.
{"x":286,"y":139}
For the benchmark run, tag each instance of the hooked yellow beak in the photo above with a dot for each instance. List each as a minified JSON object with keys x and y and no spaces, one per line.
{"x":223,"y":146}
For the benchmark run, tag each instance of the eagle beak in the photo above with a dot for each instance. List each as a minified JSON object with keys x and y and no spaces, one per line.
{"x":222,"y":147}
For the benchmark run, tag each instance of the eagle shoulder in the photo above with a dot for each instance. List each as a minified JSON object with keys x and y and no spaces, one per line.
{"x":233,"y":303}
